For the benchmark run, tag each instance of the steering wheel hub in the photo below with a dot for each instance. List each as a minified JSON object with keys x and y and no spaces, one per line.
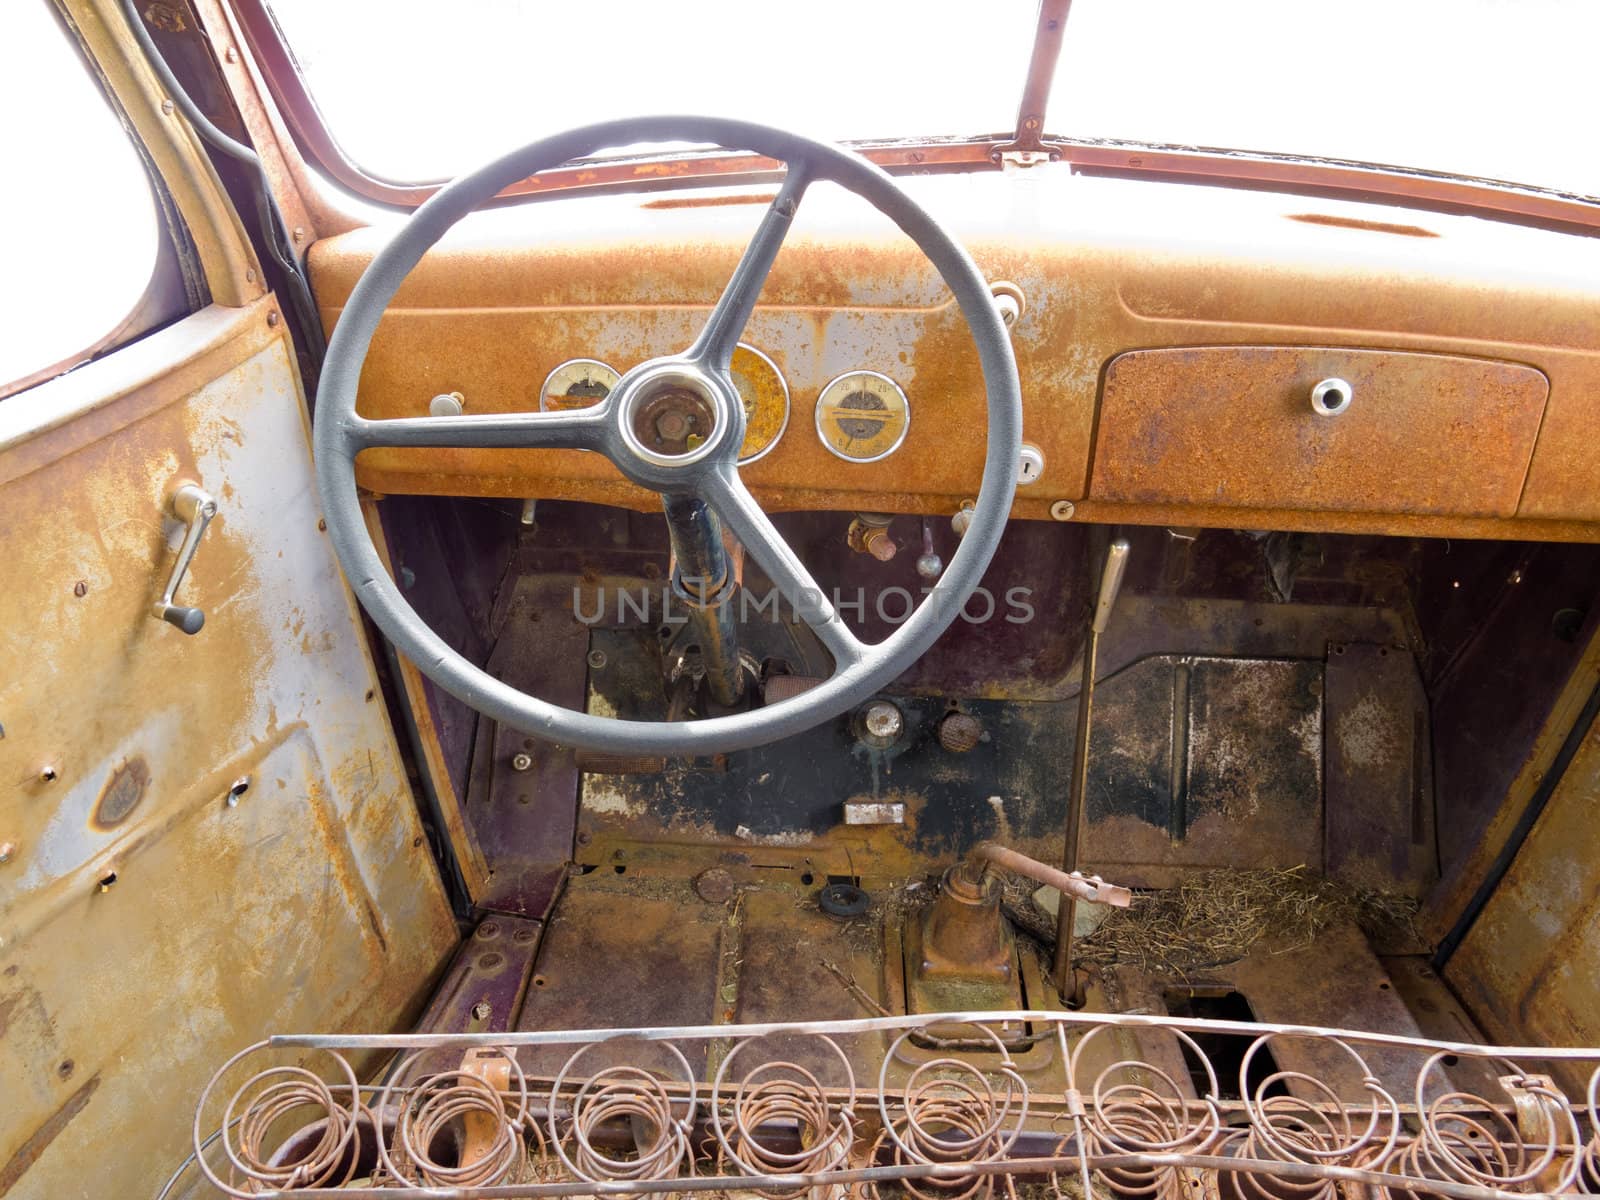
{"x":673,"y":415}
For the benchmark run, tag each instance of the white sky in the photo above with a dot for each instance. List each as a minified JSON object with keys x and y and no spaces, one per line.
{"x":76,"y":209}
{"x":1502,"y":88}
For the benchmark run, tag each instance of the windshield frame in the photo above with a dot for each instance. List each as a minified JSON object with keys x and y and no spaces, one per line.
{"x":1026,"y":144}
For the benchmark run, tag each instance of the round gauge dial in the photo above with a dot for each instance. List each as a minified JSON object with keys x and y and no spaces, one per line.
{"x":765,"y":397}
{"x":863,"y":416}
{"x":577,"y":383}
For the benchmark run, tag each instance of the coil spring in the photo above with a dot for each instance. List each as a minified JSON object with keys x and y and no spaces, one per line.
{"x":952,"y":1115}
{"x":1127,"y":1115}
{"x":294,"y":1096}
{"x":782,"y":1094}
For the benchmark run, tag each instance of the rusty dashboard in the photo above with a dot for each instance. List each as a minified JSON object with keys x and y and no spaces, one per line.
{"x":1170,"y":338}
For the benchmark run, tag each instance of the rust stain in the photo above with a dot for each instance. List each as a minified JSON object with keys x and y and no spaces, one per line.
{"x":1357,"y":223}
{"x":1233,"y":426}
{"x":717,"y":200}
{"x":122,"y":793}
{"x":28,"y":1153}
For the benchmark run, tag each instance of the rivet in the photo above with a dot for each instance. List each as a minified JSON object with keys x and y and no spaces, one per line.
{"x":236,"y":789}
{"x":272,"y":318}
{"x":250,"y":275}
{"x":47,"y":774}
{"x":232,"y":55}
{"x":1063,"y":510}
{"x":7,"y":849}
{"x":166,"y":107}
{"x":81,"y":588}
{"x":299,"y":233}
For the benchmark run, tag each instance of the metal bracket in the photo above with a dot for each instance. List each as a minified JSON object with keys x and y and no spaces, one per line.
{"x":1016,"y":159}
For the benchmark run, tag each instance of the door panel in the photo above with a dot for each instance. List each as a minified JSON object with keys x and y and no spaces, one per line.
{"x":149,"y":927}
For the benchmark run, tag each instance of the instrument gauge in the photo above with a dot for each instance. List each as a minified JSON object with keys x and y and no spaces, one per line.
{"x":577,"y":383}
{"x":765,"y":398}
{"x":863,"y":416}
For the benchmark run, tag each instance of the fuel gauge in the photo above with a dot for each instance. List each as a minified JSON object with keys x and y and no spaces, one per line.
{"x":577,"y":383}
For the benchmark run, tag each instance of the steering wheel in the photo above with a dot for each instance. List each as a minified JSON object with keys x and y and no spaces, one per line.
{"x":617,"y":428}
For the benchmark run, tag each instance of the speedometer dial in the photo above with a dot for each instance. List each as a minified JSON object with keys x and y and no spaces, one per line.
{"x":577,"y":383}
{"x":765,"y":398}
{"x":863,"y":416}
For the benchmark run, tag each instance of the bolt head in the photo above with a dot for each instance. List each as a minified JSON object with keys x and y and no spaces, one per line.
{"x":521,"y":762}
{"x":883,"y":721}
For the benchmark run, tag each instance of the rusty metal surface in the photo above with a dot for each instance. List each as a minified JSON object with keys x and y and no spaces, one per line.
{"x":135,"y":895}
{"x":524,"y":795}
{"x":621,"y":953}
{"x":1507,"y":677}
{"x":966,"y":1125}
{"x":1246,"y":762}
{"x":1235,"y":426}
{"x":482,"y":989}
{"x":1379,"y":797}
{"x":1102,"y":280}
{"x":1531,"y":961}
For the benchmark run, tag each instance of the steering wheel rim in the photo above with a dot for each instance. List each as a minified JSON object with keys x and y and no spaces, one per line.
{"x":339,"y":435}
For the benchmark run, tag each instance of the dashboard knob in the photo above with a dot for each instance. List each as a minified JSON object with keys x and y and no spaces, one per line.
{"x":1331,"y":397}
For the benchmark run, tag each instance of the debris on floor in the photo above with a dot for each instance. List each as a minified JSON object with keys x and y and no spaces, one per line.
{"x":1217,"y":917}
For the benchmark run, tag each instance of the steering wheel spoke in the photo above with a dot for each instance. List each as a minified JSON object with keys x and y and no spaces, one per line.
{"x":717,"y":340}
{"x":571,"y":429}
{"x":733,"y":502}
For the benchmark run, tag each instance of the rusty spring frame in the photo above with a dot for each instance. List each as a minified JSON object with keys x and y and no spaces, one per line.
{"x":960,"y":1126}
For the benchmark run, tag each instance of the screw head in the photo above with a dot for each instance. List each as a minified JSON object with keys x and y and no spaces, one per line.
{"x":521,"y":762}
{"x":1062,"y":510}
{"x":7,"y":849}
{"x":481,"y":1011}
{"x":597,"y":659}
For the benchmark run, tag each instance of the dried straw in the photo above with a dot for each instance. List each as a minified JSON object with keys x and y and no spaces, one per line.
{"x":1219,"y":916}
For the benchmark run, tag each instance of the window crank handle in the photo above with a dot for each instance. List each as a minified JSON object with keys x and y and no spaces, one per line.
{"x":194,"y":505}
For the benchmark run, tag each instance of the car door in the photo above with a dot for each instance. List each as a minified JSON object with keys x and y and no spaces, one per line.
{"x":207,"y":836}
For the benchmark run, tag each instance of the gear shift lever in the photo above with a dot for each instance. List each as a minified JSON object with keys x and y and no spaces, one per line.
{"x":1110,"y":585}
